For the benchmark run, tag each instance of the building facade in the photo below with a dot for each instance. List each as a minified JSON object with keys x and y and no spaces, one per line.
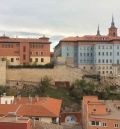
{"x":100,"y":114}
{"x":19,"y":51}
{"x":98,"y":54}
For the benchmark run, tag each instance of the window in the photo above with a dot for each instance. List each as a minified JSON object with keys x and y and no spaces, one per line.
{"x":95,"y":123}
{"x":103,"y":72}
{"x":87,"y":54}
{"x":91,"y":67}
{"x":107,"y":53}
{"x":36,"y":59}
{"x":99,"y":53}
{"x":67,"y":54}
{"x":12,"y":59}
{"x":98,"y":47}
{"x":104,"y":124}
{"x":110,"y":60}
{"x":24,"y":49}
{"x":117,"y":53}
{"x":42,"y":59}
{"x":103,"y":61}
{"x":117,"y":61}
{"x":116,"y":125}
{"x":110,"y":53}
{"x":80,"y":54}
{"x":91,"y":54}
{"x":99,"y":61}
{"x":41,"y":53}
{"x":106,"y":60}
{"x":30,"y":59}
{"x":17,"y":58}
{"x":37,"y":53}
{"x":103,"y":53}
{"x":110,"y":72}
{"x":84,"y":67}
{"x":110,"y":67}
{"x":103,"y":47}
{"x":24,"y":57}
{"x":110,"y":47}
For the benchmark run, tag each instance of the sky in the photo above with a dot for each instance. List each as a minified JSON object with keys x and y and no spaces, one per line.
{"x":57,"y":18}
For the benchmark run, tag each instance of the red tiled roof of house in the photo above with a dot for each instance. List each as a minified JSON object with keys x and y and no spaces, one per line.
{"x":32,"y":40}
{"x":47,"y":107}
{"x":90,"y":38}
{"x":5,"y":108}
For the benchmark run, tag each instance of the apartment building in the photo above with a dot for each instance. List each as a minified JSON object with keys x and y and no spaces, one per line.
{"x":99,"y":54}
{"x":100,"y":114}
{"x":19,"y":51}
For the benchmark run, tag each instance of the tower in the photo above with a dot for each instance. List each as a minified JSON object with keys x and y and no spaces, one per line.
{"x":112,"y":29}
{"x":98,"y":31}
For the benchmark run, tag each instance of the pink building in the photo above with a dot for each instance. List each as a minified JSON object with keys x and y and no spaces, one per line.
{"x":100,"y":114}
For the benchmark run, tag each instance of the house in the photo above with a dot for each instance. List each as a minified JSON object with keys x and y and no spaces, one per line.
{"x":100,"y":114}
{"x":44,"y":109}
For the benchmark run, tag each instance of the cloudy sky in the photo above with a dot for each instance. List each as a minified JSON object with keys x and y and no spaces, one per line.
{"x":57,"y":18}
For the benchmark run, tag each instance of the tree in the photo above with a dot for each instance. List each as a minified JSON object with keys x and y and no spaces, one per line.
{"x":43,"y":85}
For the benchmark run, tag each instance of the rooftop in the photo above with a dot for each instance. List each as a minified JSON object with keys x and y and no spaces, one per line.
{"x":113,"y":109}
{"x":28,"y":106}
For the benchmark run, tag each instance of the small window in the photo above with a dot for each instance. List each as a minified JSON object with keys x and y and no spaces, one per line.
{"x":107,"y":53}
{"x":106,"y":60}
{"x":37,"y":53}
{"x":104,"y":124}
{"x":99,"y":53}
{"x":117,"y":61}
{"x":99,"y":61}
{"x":24,"y":49}
{"x":30,"y":59}
{"x":41,"y":53}
{"x":42,"y":59}
{"x":117,"y":53}
{"x":103,"y":61}
{"x":116,"y":125}
{"x":12,"y":59}
{"x":24,"y":57}
{"x":103,"y":53}
{"x":67,"y":54}
{"x":93,"y":123}
{"x":36,"y":59}
{"x":91,"y":67}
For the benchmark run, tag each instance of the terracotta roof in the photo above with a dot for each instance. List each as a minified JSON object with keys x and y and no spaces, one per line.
{"x":90,"y":38}
{"x":47,"y":107}
{"x":32,"y":40}
{"x":5,"y":108}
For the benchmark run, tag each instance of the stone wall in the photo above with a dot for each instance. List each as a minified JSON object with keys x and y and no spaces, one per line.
{"x":59,"y":73}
